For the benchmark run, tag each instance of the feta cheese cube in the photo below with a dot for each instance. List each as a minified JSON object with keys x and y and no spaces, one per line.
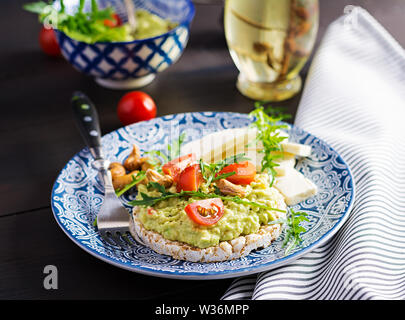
{"x":286,"y":161}
{"x":300,"y":150}
{"x":295,"y":187}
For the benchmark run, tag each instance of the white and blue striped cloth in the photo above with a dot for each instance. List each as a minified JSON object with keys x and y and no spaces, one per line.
{"x":354,"y":99}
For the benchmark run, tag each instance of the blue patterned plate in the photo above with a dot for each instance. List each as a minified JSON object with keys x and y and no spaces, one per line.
{"x":77,"y":197}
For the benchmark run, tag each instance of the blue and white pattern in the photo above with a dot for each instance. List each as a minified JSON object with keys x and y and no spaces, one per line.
{"x":77,"y":196}
{"x":119,"y":61}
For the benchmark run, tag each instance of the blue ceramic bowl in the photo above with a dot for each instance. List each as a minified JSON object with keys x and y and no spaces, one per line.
{"x":133,"y":64}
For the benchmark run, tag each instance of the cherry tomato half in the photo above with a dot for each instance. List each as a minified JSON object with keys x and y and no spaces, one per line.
{"x":136,"y":106}
{"x":205,"y":212}
{"x":176,"y":166}
{"x":190,"y":178}
{"x":245,"y":172}
{"x":48,"y":42}
{"x":115,"y":21}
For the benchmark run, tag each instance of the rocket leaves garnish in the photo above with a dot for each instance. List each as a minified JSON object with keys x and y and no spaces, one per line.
{"x":293,"y":229}
{"x":267,"y":123}
{"x":210,"y":171}
{"x":150,"y":201}
{"x":157,"y":157}
{"x":135,"y":180}
{"x":173,"y":150}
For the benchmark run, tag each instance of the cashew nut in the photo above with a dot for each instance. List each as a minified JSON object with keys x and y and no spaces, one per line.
{"x":154,"y":176}
{"x":117,"y":169}
{"x":228,"y":188}
{"x":132,"y":162}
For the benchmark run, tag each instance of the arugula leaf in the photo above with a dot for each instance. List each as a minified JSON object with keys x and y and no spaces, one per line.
{"x":233,"y":159}
{"x":294,"y":229}
{"x":150,"y":201}
{"x":135,"y":180}
{"x":157,"y":157}
{"x":274,"y":111}
{"x":157,"y":186}
{"x":173,"y":150}
{"x":223,"y":176}
{"x":268,"y":132}
{"x":62,"y":6}
{"x":210,"y":171}
{"x":94,"y":7}
{"x":36,"y":7}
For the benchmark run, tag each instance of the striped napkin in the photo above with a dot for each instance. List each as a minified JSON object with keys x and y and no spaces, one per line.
{"x":354,"y":99}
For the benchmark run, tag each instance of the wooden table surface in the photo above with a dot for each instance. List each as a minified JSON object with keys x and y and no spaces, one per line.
{"x":38,"y":136}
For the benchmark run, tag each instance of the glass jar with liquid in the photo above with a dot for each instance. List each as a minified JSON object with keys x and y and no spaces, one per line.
{"x":270,"y":41}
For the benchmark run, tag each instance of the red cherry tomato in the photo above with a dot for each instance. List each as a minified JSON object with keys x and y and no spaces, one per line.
{"x":176,"y":166}
{"x":205,"y":212}
{"x":190,"y":178}
{"x":114,"y":22}
{"x":48,"y":42}
{"x":245,"y":172}
{"x":136,"y":106}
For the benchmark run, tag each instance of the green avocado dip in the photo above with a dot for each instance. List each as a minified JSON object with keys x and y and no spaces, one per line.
{"x":171,"y":221}
{"x":151,"y":25}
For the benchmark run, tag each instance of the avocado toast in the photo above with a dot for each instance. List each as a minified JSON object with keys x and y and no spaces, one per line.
{"x":219,"y":197}
{"x":167,"y":228}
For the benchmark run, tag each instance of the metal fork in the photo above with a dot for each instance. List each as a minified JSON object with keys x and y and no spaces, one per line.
{"x":113,"y":219}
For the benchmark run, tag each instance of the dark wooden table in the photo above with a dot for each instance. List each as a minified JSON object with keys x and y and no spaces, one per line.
{"x":38,"y":136}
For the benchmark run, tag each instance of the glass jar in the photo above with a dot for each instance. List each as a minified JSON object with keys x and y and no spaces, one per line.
{"x":270,"y":41}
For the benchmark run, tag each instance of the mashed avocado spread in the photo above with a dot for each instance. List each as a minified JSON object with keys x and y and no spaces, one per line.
{"x":151,"y":25}
{"x":171,"y":221}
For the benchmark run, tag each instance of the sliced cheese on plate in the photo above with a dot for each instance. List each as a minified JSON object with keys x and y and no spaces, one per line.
{"x":286,"y":160}
{"x":295,"y":187}
{"x":301,"y":150}
{"x":226,"y":143}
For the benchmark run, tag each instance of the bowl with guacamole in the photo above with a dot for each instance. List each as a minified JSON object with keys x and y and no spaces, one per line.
{"x":96,"y":38}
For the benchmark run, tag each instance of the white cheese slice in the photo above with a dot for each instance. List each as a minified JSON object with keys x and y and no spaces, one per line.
{"x":249,"y":139}
{"x":211,"y":145}
{"x":295,"y":187}
{"x":218,"y":145}
{"x":301,"y":150}
{"x":287,"y":160}
{"x":226,"y":143}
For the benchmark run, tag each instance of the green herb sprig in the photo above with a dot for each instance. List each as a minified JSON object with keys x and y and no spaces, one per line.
{"x":158,"y":157}
{"x":267,"y":123}
{"x":210,"y":170}
{"x":135,"y":180}
{"x":293,"y":229}
{"x":150,"y":201}
{"x":173,"y":149}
